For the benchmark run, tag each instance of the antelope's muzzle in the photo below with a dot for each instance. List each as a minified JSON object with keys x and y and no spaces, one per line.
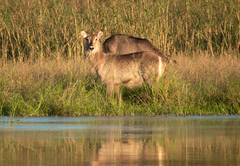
{"x":91,"y":48}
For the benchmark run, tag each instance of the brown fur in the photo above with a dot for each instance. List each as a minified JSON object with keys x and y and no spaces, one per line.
{"x":125,"y":44}
{"x":129,"y":70}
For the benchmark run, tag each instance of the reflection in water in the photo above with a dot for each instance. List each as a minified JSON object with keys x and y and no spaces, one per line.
{"x":127,"y":151}
{"x":121,"y":141}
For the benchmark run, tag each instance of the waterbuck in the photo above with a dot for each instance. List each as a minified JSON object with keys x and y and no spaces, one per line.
{"x":129,"y":70}
{"x":125,"y":44}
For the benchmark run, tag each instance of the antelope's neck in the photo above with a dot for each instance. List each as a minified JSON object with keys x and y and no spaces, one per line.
{"x":94,"y":59}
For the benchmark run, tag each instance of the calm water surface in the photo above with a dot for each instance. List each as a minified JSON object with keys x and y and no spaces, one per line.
{"x":127,"y":140}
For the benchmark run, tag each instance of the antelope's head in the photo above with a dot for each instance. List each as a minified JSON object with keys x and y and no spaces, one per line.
{"x":93,"y":44}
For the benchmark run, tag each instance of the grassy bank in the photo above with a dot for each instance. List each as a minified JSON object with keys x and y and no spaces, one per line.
{"x":42,"y":68}
{"x":199,"y":85}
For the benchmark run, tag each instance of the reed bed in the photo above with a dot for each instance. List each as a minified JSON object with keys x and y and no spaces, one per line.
{"x":42,"y":62}
{"x":36,"y":29}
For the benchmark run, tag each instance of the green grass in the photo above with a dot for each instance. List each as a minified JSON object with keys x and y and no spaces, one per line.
{"x":42,"y":71}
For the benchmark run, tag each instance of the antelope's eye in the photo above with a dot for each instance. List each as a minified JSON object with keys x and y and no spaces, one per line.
{"x":95,"y":39}
{"x":86,"y":38}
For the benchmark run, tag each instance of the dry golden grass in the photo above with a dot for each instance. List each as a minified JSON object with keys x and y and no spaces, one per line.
{"x":47,"y":71}
{"x":207,"y":68}
{"x":192,"y":69}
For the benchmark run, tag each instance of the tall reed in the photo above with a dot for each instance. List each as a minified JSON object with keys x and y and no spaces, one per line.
{"x":36,"y":29}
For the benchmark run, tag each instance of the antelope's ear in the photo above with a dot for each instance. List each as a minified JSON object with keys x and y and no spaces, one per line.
{"x":84,"y":34}
{"x":100,"y":34}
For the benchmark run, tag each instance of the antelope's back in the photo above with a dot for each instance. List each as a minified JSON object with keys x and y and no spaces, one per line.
{"x":125,"y":44}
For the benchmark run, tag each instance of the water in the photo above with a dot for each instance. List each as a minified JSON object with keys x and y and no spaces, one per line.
{"x":127,"y":140}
